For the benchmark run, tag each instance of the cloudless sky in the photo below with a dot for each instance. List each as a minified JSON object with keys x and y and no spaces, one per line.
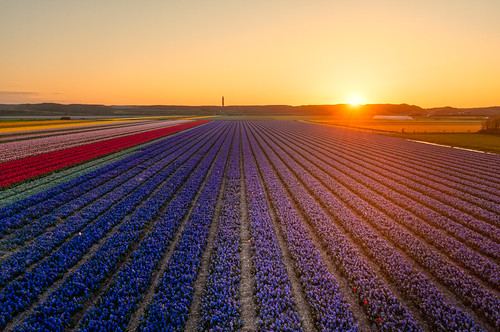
{"x":428,"y":52}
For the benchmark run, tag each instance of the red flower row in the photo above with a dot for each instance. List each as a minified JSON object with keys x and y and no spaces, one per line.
{"x":19,"y":170}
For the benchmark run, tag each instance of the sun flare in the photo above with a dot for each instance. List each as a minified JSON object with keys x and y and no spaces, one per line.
{"x":355,"y":99}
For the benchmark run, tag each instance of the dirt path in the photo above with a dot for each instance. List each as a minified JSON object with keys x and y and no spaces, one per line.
{"x":194,"y":316}
{"x":303,"y":307}
{"x":247,"y":282}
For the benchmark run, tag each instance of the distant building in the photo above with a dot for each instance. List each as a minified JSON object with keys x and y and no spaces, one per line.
{"x":65,"y":118}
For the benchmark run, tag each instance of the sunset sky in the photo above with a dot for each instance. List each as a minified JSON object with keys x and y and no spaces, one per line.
{"x":428,"y":52}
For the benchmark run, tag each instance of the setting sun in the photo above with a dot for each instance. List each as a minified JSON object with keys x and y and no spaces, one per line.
{"x":355,"y":99}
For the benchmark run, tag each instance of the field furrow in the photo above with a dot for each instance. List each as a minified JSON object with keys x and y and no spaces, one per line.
{"x":387,"y":200}
{"x":56,"y":236}
{"x":366,"y":283}
{"x":385,"y":159}
{"x":336,"y":198}
{"x":322,"y":302}
{"x":219,"y":304}
{"x":174,"y":294}
{"x":426,"y":157}
{"x":83,"y":282}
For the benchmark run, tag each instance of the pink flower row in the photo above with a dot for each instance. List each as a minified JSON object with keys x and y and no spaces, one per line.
{"x":27,"y":148}
{"x":39,"y":133}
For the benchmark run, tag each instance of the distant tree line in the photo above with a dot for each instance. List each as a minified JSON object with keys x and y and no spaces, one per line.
{"x":491,"y":125}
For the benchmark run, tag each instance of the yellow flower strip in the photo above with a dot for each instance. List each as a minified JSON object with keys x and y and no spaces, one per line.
{"x":38,"y":123}
{"x":50,"y":125}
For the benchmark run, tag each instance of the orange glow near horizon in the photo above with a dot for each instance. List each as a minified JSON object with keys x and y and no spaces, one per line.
{"x":292,"y":52}
{"x":355,"y":99}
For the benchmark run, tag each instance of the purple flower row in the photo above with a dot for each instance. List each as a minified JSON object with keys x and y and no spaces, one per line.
{"x":329,"y":307}
{"x":122,"y":173}
{"x":276,"y":308}
{"x":432,"y":194}
{"x":115,"y":306}
{"x":440,"y":177}
{"x":472,"y":192}
{"x":220,"y":303}
{"x":453,"y":277}
{"x":416,"y":286}
{"x":50,"y":240}
{"x":421,"y":156}
{"x":18,"y":294}
{"x":25,"y":211}
{"x":430,"y":152}
{"x":398,"y":206}
{"x":372,"y":293}
{"x":174,"y":294}
{"x":478,"y":198}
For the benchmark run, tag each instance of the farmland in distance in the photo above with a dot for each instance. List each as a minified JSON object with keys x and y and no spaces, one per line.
{"x":248,"y":225}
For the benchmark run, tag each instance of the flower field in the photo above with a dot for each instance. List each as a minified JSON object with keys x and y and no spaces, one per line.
{"x":247,"y":225}
{"x":23,"y":148}
{"x":34,"y":157}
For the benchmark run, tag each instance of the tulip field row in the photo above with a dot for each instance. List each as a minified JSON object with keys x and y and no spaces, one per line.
{"x":44,"y":155}
{"x":12,"y":127}
{"x":38,"y":145}
{"x":35,"y":186}
{"x":39,"y":133}
{"x":259,"y":225}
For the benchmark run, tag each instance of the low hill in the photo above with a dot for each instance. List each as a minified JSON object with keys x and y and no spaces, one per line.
{"x":51,"y":109}
{"x":368,"y":111}
{"x":476,"y":111}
